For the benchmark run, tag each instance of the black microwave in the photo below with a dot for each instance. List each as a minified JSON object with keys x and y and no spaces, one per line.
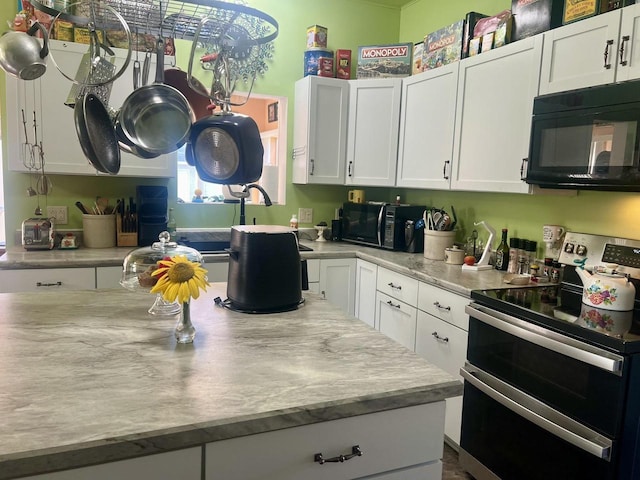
{"x":380,"y":224}
{"x":587,"y":139}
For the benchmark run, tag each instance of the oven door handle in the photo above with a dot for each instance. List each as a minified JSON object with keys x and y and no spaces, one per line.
{"x":548,"y":339}
{"x":537,"y":413}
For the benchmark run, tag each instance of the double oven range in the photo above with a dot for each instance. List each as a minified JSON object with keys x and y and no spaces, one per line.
{"x":551,"y":386}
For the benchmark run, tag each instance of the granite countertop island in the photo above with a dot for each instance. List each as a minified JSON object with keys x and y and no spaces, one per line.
{"x":89,"y":377}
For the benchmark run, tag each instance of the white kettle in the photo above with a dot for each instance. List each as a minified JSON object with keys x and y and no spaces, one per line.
{"x":21,"y":54}
{"x":607,"y":290}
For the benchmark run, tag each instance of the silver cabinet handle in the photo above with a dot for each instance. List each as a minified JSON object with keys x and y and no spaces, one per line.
{"x":607,"y":63}
{"x":553,"y":341}
{"x":625,"y":39}
{"x":523,"y":169}
{"x":438,"y":337}
{"x":441,"y":307}
{"x":538,"y":413}
{"x":350,"y":168}
{"x":391,"y":304}
{"x":394,"y":286}
{"x":55,"y":284}
{"x":355,"y":452}
{"x":313,"y":166}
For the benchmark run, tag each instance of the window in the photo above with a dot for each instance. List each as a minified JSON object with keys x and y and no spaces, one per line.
{"x":270,"y":115}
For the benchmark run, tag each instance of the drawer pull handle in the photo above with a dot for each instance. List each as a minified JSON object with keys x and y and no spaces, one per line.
{"x":607,"y":63}
{"x":389,"y":302}
{"x":355,"y":452}
{"x":438,"y":337}
{"x":397,"y":287}
{"x":56,"y":284}
{"x":437,"y":305}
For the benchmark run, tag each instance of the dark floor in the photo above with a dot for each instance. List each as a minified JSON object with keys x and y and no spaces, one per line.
{"x":451,"y":470}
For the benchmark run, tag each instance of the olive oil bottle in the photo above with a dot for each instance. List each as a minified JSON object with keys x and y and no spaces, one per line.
{"x":502,"y":253}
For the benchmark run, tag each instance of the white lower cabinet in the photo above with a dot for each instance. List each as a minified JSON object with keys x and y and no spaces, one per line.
{"x":441,"y":339}
{"x":366,"y":278}
{"x":396,"y":319}
{"x":34,"y":280}
{"x":183,"y":464}
{"x":338,"y":281}
{"x":393,"y":443}
{"x":108,"y":277}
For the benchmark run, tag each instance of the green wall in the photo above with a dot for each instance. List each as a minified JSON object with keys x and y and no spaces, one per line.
{"x":351,"y":23}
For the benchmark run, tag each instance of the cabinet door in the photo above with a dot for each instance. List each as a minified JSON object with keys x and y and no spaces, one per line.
{"x":445,"y":346}
{"x":629,"y":59}
{"x":574,"y":55}
{"x":396,"y":319}
{"x":320,"y":130}
{"x":183,"y":464}
{"x":55,"y":121}
{"x":365,"y":307}
{"x":493,"y":117}
{"x":427,"y":121}
{"x":108,"y":277}
{"x":46,"y":279}
{"x":338,"y":282}
{"x":372,"y":139}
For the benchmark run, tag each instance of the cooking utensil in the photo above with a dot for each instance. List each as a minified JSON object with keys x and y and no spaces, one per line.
{"x":82,"y":208}
{"x":145,"y":68}
{"x":21,"y":54}
{"x":156,"y":117}
{"x":199,"y":103}
{"x":96,"y":134}
{"x":455,"y":218}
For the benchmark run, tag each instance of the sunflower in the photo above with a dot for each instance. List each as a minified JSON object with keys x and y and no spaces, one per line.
{"x":179,"y":278}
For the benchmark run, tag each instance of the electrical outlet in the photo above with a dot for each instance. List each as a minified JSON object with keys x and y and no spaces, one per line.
{"x":61,"y":214}
{"x":305,"y":215}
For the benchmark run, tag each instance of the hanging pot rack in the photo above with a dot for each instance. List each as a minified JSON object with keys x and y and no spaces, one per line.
{"x":180,"y":19}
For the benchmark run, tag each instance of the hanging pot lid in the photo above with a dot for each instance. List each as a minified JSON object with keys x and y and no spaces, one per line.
{"x":227,"y":149}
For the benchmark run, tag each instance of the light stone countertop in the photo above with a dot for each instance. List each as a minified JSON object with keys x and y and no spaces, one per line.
{"x":90,"y":377}
{"x":450,"y":277}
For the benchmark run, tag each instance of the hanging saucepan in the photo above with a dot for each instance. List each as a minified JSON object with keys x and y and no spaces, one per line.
{"x":127,"y":145}
{"x":156,"y":117}
{"x":199,"y":103}
{"x":21,"y":54}
{"x":227,"y":149}
{"x":96,"y":134}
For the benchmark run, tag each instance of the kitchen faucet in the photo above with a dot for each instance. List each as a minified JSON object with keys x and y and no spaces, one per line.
{"x":242,"y":195}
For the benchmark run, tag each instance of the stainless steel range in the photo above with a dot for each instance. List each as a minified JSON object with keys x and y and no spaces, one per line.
{"x":552,"y":385}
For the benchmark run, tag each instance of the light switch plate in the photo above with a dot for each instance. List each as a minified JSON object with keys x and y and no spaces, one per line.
{"x":305,"y":215}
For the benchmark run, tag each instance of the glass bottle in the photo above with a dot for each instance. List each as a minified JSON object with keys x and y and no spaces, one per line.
{"x":531,"y":254}
{"x":513,"y":255}
{"x":293,"y":223}
{"x":171,"y":226}
{"x":502,"y":253}
{"x":522,"y":255}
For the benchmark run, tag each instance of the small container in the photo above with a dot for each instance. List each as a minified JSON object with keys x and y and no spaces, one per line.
{"x":317,"y":36}
{"x":548,"y":266}
{"x":513,"y":255}
{"x":312,"y":59}
{"x":325,"y":67}
{"x":68,"y":241}
{"x":556,"y":272}
{"x":454,"y":255}
{"x":343,"y":64}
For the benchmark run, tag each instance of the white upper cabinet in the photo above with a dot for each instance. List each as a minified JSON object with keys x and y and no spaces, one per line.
{"x":493,"y":117}
{"x":56,"y":128}
{"x":427,"y":119}
{"x":594,"y":51}
{"x":320,"y":130}
{"x":372,"y":132}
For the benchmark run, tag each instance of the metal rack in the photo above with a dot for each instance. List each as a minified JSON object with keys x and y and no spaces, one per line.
{"x":176,"y":19}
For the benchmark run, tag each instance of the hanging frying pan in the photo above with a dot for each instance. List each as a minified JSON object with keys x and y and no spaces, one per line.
{"x":177,"y":79}
{"x":227,"y":149}
{"x":156,"y":117}
{"x":96,"y":134}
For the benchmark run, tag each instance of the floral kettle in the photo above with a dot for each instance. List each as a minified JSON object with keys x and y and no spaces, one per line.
{"x":606,"y":289}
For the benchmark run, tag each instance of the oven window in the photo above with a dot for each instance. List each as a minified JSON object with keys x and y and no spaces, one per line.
{"x":514,"y":448}
{"x":585,"y":393}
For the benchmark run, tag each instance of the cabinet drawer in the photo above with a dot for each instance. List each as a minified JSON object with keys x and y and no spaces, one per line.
{"x":396,"y":319}
{"x":398,"y":286}
{"x":47,"y":279}
{"x":443,"y":304}
{"x":389,"y":440}
{"x":441,"y":343}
